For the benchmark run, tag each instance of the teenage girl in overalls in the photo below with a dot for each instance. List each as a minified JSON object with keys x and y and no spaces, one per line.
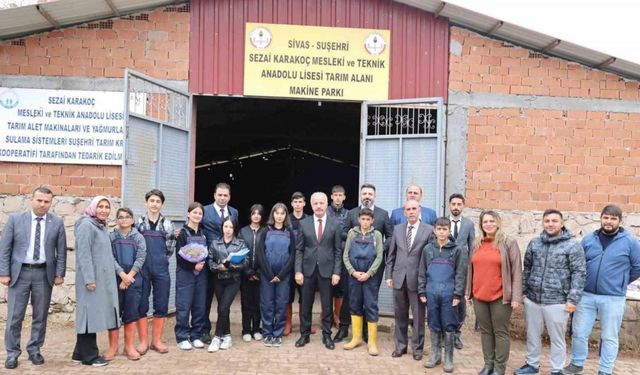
{"x":129,"y":253}
{"x":275,"y":251}
{"x":362,"y":257}
{"x":191,"y":284}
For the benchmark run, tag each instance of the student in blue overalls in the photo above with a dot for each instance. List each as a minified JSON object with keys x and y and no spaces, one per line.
{"x":158,"y":233}
{"x":441,"y":285}
{"x":129,"y":253}
{"x":191,"y":281}
{"x":275,"y":253}
{"x":362,"y":257}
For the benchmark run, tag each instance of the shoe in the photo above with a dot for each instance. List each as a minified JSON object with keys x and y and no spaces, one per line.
{"x":398,"y":353}
{"x":372,"y":344}
{"x":257,"y":336}
{"x":572,"y":369}
{"x":436,"y":352}
{"x":226,"y":342}
{"x":485,"y":371}
{"x":185,"y":345}
{"x":246,"y":337}
{"x":448,"y":351}
{"x":603,"y":373}
{"x":302,"y":341}
{"x":98,"y":362}
{"x":206,"y":338}
{"x":328,"y":342}
{"x":276,"y":342}
{"x":356,"y":339}
{"x":557,"y":372}
{"x":215,"y":345}
{"x":526,"y":369}
{"x":198,"y":344}
{"x":343,"y":333}
{"x":458,"y":341}
{"x":268,"y":341}
{"x":37,"y":359}
{"x":417,"y":356}
{"x":11,"y":363}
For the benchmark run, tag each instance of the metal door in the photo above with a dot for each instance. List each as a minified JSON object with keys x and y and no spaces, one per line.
{"x":157,"y":149}
{"x":402,"y":143}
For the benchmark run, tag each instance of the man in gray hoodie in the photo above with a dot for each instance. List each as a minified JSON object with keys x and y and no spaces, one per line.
{"x":553,"y":282}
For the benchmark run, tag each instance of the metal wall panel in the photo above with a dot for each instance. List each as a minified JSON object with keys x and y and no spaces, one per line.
{"x":419,"y":41}
{"x":143,"y":136}
{"x":419,"y":166}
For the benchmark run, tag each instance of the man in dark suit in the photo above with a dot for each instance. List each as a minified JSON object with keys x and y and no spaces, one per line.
{"x":318,"y":264}
{"x":426,"y":215}
{"x":33,"y":258}
{"x":402,"y":268}
{"x":212,"y":229}
{"x":464,"y":233}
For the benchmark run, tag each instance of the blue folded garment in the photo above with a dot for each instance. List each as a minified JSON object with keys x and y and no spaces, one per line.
{"x":239,"y":257}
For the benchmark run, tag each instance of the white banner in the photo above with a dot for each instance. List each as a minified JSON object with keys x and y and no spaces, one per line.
{"x":61,"y":126}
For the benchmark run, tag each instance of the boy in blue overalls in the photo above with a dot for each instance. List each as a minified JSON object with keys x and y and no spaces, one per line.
{"x":129,"y":253}
{"x":362,"y":257}
{"x":159,"y":234}
{"x":441,"y":283}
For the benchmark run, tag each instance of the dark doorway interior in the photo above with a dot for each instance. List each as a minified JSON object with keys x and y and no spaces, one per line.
{"x":266,"y":149}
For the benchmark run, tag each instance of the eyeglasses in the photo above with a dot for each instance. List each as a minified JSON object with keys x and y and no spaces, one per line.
{"x":124,"y":217}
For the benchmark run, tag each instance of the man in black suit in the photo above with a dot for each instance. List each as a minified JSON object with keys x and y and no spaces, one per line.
{"x":318,"y":264}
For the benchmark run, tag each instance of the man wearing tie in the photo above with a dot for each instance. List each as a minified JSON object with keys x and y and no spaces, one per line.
{"x":425,"y":214}
{"x":401,"y":272}
{"x":464,"y":234}
{"x":214,"y":213}
{"x":318,"y":264}
{"x":33,"y":258}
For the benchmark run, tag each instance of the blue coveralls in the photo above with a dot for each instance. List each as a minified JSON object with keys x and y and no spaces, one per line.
{"x":363,"y":297}
{"x":156,"y":274}
{"x":274,"y":297}
{"x":191,"y":296}
{"x":124,"y":251}
{"x":441,"y":315}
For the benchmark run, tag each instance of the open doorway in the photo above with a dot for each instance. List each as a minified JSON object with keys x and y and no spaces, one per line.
{"x":268,"y":148}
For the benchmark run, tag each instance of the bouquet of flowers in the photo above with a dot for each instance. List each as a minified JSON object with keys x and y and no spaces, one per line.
{"x":193,"y":253}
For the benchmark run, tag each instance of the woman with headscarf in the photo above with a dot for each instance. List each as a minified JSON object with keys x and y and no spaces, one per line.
{"x":96,"y":287}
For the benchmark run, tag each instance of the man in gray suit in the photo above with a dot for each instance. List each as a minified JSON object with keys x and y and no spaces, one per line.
{"x":464,"y":233}
{"x":318,"y":265}
{"x":401,"y":272}
{"x":33,"y":258}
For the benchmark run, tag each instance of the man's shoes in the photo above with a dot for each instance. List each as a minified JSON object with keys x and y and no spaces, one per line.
{"x":557,"y":372}
{"x":343,"y":333}
{"x":328,"y":342}
{"x":603,"y":373}
{"x":458,"y":342}
{"x":417,"y":356}
{"x":11,"y":363}
{"x":37,"y":359}
{"x":206,"y":338}
{"x":302,"y":341}
{"x":572,"y":369}
{"x":98,"y":362}
{"x":398,"y":353}
{"x":526,"y":369}
{"x":485,"y":371}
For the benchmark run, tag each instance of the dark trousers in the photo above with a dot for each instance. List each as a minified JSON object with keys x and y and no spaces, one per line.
{"x":363,"y":299}
{"x":343,"y":286}
{"x":462,"y":314}
{"x":403,"y":299}
{"x":225,"y":291}
{"x":494,"y":319}
{"x":250,"y":301}
{"x":190,"y":301}
{"x":86,"y":349}
{"x":273,"y":306}
{"x":211,"y":279}
{"x":309,"y":287}
{"x":129,"y":300}
{"x":159,"y":280}
{"x":31,"y":285}
{"x":441,"y":315}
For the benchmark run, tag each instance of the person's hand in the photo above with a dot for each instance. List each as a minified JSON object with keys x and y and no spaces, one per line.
{"x":515,"y":304}
{"x":222,"y":268}
{"x":58,"y":280}
{"x":176,"y":233}
{"x":275,"y":279}
{"x":389,"y":283}
{"x":335,"y":279}
{"x":4,"y":280}
{"x":199,"y":266}
{"x":468,"y":299}
{"x":364,"y":276}
{"x":123,"y":286}
{"x":569,"y":307}
{"x":455,"y":302}
{"x":91,"y":287}
{"x":423,"y":299}
{"x":356,"y":274}
{"x":126,"y":278}
{"x":299,"y":278}
{"x":255,"y":278}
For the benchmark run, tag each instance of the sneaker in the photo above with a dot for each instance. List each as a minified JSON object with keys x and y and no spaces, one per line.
{"x":226,"y":342}
{"x":526,"y":369}
{"x":573,"y":370}
{"x":98,"y":362}
{"x":603,"y":373}
{"x":206,"y":338}
{"x":215,"y":345}
{"x":277,"y":342}
{"x":198,"y":344}
{"x":246,"y":337}
{"x":257,"y":336}
{"x":268,"y":341}
{"x":185,"y":345}
{"x":559,"y":372}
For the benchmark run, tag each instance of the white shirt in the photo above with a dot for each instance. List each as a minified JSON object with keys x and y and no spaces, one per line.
{"x":371,"y":208}
{"x":218,"y":208}
{"x":32,"y":241}
{"x":413,"y":231}
{"x":316,"y":221}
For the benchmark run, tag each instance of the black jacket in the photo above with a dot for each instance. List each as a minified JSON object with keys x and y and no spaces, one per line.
{"x":265,"y":268}
{"x":250,"y":238}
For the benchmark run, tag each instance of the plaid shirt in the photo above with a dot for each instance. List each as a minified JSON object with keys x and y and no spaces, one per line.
{"x":164,"y":225}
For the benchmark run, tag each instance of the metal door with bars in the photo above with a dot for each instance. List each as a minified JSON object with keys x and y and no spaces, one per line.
{"x":157,"y":149}
{"x":402,"y":143}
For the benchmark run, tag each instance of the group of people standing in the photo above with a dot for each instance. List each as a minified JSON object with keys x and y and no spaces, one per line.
{"x":435,"y":267}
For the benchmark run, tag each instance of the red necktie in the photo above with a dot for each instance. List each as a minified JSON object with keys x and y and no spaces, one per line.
{"x":319,"y":229}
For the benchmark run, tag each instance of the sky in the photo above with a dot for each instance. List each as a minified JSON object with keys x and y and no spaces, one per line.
{"x":608,"y":26}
